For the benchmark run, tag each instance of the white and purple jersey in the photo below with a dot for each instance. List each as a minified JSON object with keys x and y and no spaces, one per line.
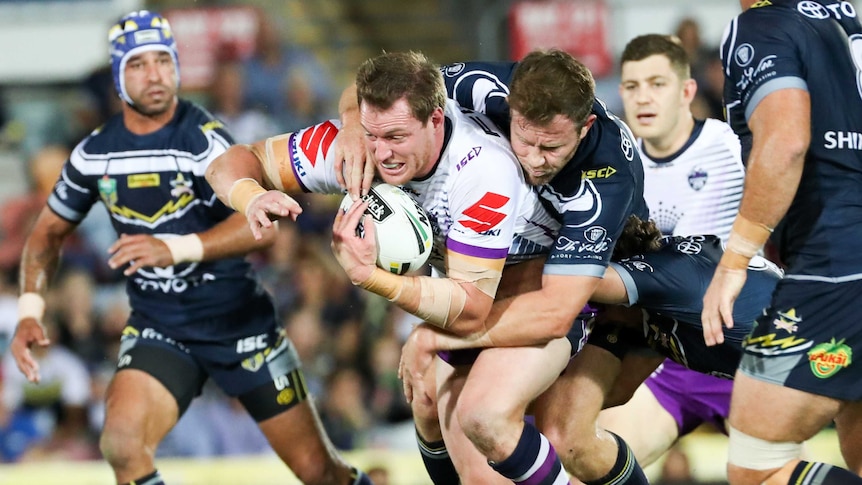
{"x":814,"y":46}
{"x":696,"y":190}
{"x":476,"y":197}
{"x":592,"y":196}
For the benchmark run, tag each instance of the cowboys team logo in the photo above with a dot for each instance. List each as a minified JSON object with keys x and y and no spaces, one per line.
{"x":743,"y":55}
{"x":697,"y":178}
{"x":181,"y":186}
{"x":812,"y":10}
{"x":787,"y":321}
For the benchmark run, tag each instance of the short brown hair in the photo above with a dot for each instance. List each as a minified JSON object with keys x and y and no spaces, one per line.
{"x":547,"y":83}
{"x":383,"y":80}
{"x":669,"y":46}
{"x":638,"y":237}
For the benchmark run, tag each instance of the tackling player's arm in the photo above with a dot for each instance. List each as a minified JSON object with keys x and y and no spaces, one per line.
{"x":458,"y":303}
{"x":508,"y":332}
{"x":351,"y":168}
{"x":253,"y":180}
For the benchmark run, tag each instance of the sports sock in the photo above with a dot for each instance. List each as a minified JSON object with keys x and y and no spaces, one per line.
{"x":626,"y":470}
{"x":437,"y":462}
{"x":149,"y":479}
{"x":358,"y":477}
{"x":822,"y":474}
{"x":534,"y":461}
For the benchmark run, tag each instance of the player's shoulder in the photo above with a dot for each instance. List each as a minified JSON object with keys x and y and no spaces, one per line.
{"x":718,"y":133}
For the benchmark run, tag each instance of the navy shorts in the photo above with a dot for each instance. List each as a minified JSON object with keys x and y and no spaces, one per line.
{"x":808,"y":338}
{"x":260,"y":366}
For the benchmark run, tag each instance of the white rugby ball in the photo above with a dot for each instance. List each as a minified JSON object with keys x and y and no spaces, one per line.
{"x":402,"y":229}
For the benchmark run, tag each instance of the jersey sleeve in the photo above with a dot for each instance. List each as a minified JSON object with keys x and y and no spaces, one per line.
{"x":307,"y":156}
{"x":75,"y":193}
{"x":664,"y":280}
{"x":482,"y":87}
{"x":218,"y":140}
{"x":760,"y":57}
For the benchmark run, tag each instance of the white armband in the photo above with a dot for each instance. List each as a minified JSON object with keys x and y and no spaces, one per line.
{"x":186,"y":249}
{"x":31,"y":305}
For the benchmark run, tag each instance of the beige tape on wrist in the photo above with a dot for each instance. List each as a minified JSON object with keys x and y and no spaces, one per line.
{"x":186,"y":249}
{"x":746,"y":239}
{"x":31,"y":305}
{"x":385,"y":284}
{"x":243,"y":192}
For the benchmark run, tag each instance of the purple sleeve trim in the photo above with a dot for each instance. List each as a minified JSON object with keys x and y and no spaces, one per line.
{"x":466,"y":249}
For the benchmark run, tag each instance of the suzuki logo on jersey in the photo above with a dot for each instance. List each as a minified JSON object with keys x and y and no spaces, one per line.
{"x":482,"y":216}
{"x":598,"y":173}
{"x":474,"y":152}
{"x":316,"y":140}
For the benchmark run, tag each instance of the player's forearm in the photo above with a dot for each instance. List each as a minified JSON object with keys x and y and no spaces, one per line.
{"x":348,"y":106}
{"x":232,"y":237}
{"x":453,"y":305}
{"x":237,"y":163}
{"x":538,"y":317}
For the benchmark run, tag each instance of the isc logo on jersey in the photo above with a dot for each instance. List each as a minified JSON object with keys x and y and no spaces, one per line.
{"x":402,"y":228}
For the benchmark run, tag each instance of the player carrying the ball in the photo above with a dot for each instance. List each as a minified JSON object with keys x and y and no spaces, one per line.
{"x":461,"y":169}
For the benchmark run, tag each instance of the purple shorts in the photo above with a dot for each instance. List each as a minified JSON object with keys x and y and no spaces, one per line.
{"x":690,"y":397}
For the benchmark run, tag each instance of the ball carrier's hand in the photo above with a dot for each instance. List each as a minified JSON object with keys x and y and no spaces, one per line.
{"x":354,"y":242}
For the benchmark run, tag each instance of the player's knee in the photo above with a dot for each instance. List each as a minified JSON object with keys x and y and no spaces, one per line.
{"x":320,"y":470}
{"x":122,"y":445}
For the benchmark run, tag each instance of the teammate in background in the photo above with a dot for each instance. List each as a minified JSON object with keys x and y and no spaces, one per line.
{"x":182,"y":252}
{"x":583,"y":163}
{"x":693,"y":177}
{"x":462,"y":171}
{"x":793,"y":96}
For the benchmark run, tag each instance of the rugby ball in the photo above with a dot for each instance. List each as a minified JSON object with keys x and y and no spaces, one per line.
{"x":402,"y":229}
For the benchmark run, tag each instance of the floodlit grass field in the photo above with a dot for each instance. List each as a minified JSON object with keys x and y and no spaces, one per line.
{"x":707,"y":453}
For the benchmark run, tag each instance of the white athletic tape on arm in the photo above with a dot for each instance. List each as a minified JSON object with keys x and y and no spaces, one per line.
{"x":31,"y":305}
{"x":756,"y":454}
{"x":186,"y":249}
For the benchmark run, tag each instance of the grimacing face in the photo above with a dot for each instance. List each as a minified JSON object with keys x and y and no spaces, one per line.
{"x":654,"y":97}
{"x":544,"y":150}
{"x":151,"y":81}
{"x":401,"y":147}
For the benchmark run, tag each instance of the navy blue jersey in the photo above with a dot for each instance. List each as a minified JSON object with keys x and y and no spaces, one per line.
{"x":592,"y":196}
{"x":154,"y":184}
{"x":806,"y":45}
{"x":669,"y":285}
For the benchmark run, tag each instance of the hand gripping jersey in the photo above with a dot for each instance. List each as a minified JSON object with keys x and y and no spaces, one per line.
{"x":696,"y":190}
{"x":813,"y":46}
{"x":476,"y":197}
{"x":154,"y":184}
{"x":669,"y":285}
{"x":592,"y":196}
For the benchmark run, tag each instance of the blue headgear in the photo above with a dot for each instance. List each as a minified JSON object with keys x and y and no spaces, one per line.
{"x":138,"y":32}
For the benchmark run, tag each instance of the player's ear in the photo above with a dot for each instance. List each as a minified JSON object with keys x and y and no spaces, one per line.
{"x":689,"y":89}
